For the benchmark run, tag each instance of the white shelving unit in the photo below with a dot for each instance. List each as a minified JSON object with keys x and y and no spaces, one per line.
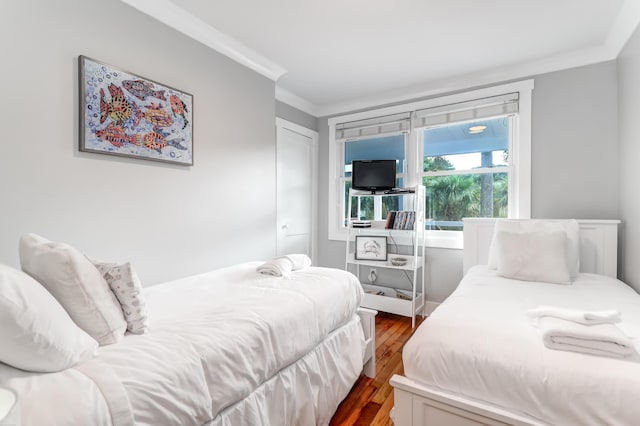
{"x":408,"y":303}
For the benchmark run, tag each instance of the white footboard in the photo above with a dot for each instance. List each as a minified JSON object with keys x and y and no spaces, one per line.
{"x":417,"y":405}
{"x":368,"y":320}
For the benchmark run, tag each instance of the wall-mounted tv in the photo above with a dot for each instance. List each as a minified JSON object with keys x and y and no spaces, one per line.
{"x":373,"y":175}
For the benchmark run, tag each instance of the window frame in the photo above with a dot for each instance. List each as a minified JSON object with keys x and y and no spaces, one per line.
{"x":519,"y":165}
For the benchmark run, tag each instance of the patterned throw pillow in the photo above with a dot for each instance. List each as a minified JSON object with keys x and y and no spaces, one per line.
{"x":77,"y":286}
{"x":125,"y":284}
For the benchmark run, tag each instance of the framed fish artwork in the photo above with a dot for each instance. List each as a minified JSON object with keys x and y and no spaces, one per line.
{"x":131,"y":116}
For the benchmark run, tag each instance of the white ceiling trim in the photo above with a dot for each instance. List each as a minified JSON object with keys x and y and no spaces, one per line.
{"x":482,"y":78}
{"x":176,"y":17}
{"x":179,"y":19}
{"x":624,"y":26}
{"x":289,"y":98}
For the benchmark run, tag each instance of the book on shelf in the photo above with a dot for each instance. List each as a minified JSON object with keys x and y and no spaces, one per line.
{"x":401,"y":220}
{"x":391,"y":217}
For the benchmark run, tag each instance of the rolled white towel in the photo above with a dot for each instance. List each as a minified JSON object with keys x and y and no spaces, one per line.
{"x":279,"y":267}
{"x":299,"y":261}
{"x":609,"y":316}
{"x":599,"y":339}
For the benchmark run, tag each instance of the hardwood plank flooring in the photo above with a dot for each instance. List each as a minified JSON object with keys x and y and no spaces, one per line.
{"x":371,"y":400}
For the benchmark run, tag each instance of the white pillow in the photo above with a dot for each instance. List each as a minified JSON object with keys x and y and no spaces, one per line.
{"x":125,"y":284}
{"x":533,"y":256}
{"x":36,"y":334}
{"x":569,"y":226}
{"x":76,"y":284}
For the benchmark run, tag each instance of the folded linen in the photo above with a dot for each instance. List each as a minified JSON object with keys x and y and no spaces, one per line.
{"x":299,"y":261}
{"x":282,"y":266}
{"x":598,"y":339}
{"x":609,"y":316}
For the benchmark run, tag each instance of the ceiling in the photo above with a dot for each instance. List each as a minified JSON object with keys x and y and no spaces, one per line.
{"x":334,"y":56}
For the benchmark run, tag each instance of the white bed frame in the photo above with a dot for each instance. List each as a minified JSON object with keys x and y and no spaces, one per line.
{"x":419,"y":405}
{"x":368,"y":321}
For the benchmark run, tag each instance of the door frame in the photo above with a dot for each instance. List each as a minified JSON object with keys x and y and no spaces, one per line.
{"x":281,"y":125}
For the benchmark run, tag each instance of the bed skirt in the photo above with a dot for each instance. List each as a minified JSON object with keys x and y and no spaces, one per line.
{"x":307,"y":392}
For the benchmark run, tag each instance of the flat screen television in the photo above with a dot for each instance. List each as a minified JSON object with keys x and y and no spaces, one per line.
{"x":373,"y":175}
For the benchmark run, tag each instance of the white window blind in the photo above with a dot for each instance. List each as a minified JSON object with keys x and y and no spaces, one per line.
{"x":477,"y":109}
{"x":377,"y":126}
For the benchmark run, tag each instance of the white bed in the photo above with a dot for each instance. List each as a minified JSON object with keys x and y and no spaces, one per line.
{"x":224,"y":348}
{"x":478,"y":360}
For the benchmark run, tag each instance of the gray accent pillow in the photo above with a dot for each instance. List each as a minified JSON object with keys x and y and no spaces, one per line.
{"x":125,"y":284}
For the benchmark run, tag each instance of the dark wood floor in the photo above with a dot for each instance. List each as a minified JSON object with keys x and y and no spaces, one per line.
{"x":371,"y":400}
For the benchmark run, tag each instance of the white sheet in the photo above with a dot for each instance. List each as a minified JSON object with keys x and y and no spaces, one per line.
{"x":480,"y":344}
{"x":213,"y":340}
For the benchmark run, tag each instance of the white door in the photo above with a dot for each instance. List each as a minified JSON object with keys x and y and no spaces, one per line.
{"x":296,"y":149}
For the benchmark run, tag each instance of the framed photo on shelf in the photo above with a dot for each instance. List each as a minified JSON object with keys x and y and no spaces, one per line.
{"x":369,"y":247}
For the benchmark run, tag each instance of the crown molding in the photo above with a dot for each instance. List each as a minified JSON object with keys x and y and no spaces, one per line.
{"x":179,"y":19}
{"x":289,"y":98}
{"x":176,"y":17}
{"x":468,"y":81}
{"x":626,"y":23}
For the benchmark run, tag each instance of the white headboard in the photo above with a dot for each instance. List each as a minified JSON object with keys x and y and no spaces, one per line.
{"x":598,"y":244}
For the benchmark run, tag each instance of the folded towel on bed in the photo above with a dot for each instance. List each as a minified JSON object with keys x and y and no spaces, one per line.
{"x":598,"y":339}
{"x":284,"y":265}
{"x":609,"y":316}
{"x":299,"y":261}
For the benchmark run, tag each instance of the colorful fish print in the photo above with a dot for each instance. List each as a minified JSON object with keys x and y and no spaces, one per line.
{"x":117,"y":136}
{"x":179,"y":108}
{"x":141,"y":89}
{"x":158,"y":116}
{"x":155,"y":140}
{"x":137,"y":114}
{"x":119,"y":110}
{"x":176,"y":143}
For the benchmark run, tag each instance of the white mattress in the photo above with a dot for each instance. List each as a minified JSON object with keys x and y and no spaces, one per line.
{"x":480,"y":345}
{"x":214,"y":340}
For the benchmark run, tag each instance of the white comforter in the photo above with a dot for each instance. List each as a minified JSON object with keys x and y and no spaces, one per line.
{"x":213,"y":339}
{"x":480,"y":344}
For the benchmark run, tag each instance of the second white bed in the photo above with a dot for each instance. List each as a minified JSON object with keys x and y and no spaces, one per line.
{"x":480,"y":345}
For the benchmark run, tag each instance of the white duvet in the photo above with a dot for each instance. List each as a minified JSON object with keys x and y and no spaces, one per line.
{"x":481,"y":345}
{"x":213,"y":339}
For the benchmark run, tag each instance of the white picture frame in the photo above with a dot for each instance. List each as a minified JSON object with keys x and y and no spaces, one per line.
{"x":370,"y":247}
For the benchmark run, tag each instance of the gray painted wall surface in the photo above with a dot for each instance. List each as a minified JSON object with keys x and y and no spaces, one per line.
{"x":574,"y":157}
{"x":629,"y":112}
{"x":169,"y":221}
{"x":574,"y":149}
{"x":294,"y":115}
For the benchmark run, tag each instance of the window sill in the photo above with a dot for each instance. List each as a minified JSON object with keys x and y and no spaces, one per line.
{"x":444,"y":239}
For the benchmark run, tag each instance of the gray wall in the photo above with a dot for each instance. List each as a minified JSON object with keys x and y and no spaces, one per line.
{"x":574,"y":150}
{"x":294,"y":115}
{"x":629,"y":112}
{"x":574,"y":163}
{"x":168,"y":220}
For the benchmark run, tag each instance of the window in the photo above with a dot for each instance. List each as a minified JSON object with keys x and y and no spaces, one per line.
{"x":465,"y":171}
{"x":380,"y":148}
{"x":470,"y":150}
